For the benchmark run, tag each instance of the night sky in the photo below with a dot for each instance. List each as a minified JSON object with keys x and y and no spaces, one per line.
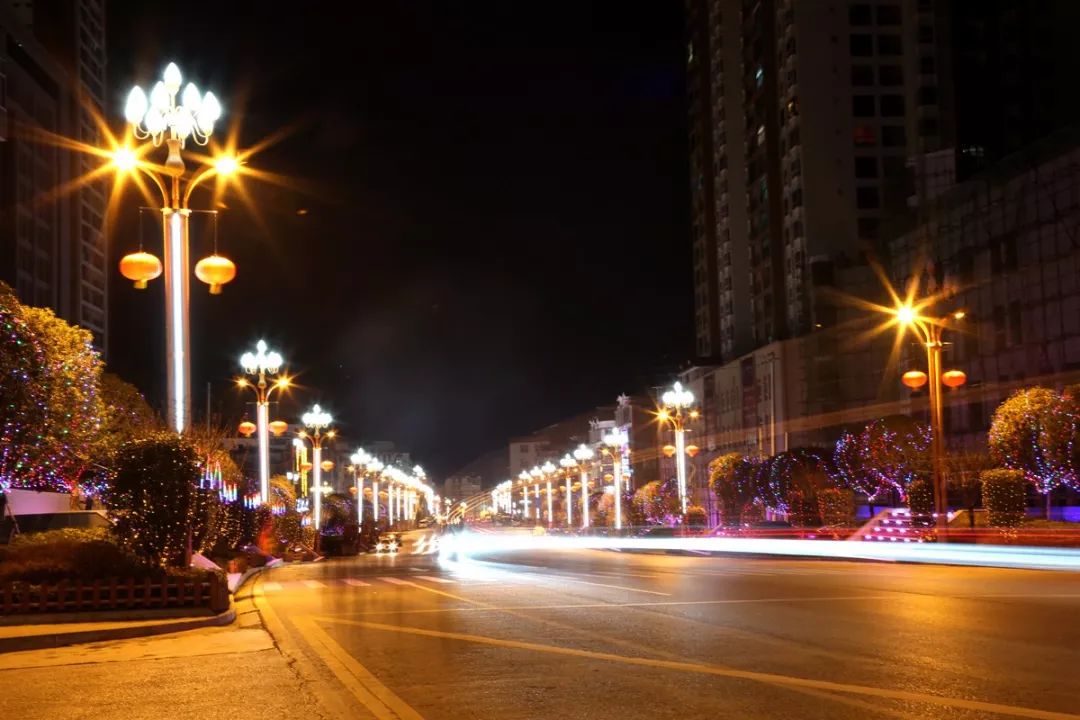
{"x":496,"y":228}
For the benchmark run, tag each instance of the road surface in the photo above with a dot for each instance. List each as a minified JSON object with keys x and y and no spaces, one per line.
{"x":594,"y":634}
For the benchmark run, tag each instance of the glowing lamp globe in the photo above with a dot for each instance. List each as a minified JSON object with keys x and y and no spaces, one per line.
{"x":327,"y":465}
{"x":352,"y":490}
{"x":278,"y":427}
{"x":954,"y":378}
{"x":692,"y":450}
{"x":306,"y":466}
{"x":914,"y":379}
{"x":215,"y":271}
{"x":669,"y":450}
{"x":140,"y":267}
{"x":247,"y":428}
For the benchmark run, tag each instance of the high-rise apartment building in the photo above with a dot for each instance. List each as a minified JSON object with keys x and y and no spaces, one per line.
{"x":803,"y":116}
{"x":52,"y":79}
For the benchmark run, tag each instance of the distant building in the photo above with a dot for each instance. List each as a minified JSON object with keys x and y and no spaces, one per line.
{"x":459,"y":487}
{"x":490,"y":469}
{"x":52,"y":80}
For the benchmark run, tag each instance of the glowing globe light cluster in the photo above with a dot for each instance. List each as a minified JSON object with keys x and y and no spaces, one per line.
{"x":159,"y":114}
{"x":678,"y":397}
{"x":262,"y":360}
{"x":317,"y":418}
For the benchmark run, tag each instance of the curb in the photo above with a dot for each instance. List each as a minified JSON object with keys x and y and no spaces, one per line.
{"x":60,"y":639}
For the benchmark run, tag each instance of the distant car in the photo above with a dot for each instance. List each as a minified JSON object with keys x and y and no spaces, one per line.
{"x":388,"y":543}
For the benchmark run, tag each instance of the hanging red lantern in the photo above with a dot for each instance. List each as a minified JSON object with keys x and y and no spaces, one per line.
{"x":141,"y":267}
{"x":215,"y":270}
{"x":954,"y":378}
{"x":669,"y":450}
{"x":327,"y":465}
{"x":247,"y":428}
{"x":914,"y":379}
{"x":692,"y":450}
{"x":278,"y":427}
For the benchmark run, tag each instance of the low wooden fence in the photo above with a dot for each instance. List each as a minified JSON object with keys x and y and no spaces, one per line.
{"x":115,"y":594}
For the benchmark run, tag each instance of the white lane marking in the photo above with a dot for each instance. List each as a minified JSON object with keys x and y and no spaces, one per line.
{"x":356,"y":583}
{"x":313,"y":584}
{"x":271,"y":586}
{"x":616,"y":587}
{"x":395,"y":581}
{"x":436,"y":579}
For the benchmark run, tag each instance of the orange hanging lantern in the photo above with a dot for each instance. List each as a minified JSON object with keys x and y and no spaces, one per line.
{"x":692,"y":450}
{"x":914,"y":379}
{"x":247,"y":428}
{"x":306,"y":466}
{"x":327,"y":465}
{"x":669,"y":450}
{"x":278,"y":427}
{"x":141,"y":267}
{"x":215,"y":270}
{"x":954,"y":378}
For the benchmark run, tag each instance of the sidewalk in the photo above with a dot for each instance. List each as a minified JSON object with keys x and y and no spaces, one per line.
{"x":73,"y":628}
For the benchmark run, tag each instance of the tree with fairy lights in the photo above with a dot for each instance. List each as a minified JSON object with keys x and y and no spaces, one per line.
{"x":790,"y":482}
{"x":884,"y":457}
{"x":1034,"y":431}
{"x":153,"y":498}
{"x":731,"y":477}
{"x":659,"y":501}
{"x":51,"y":415}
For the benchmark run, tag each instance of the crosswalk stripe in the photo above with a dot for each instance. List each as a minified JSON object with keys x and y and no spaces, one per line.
{"x":395,"y":581}
{"x":271,"y":586}
{"x":356,"y":583}
{"x":437,"y":579}
{"x":314,"y":584}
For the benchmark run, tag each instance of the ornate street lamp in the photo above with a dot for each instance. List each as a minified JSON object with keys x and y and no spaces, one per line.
{"x":316,"y":420}
{"x":160,"y":119}
{"x":568,"y":464}
{"x":359,"y":459}
{"x":259,"y":364}
{"x":614,"y":442}
{"x":676,"y":401}
{"x":547,"y":469}
{"x":582,"y":454}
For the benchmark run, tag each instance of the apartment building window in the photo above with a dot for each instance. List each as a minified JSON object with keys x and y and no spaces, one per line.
{"x":867,"y":198}
{"x":1016,"y":335}
{"x":891,"y":75}
{"x":864,"y":136}
{"x":866,"y":167}
{"x":859,"y":14}
{"x":888,"y":15}
{"x":926,"y":65}
{"x":861,"y":45}
{"x":999,"y":328}
{"x":893,"y":136}
{"x":889,"y":45}
{"x":862,"y":105}
{"x":928,"y":95}
{"x":868,"y":228}
{"x":892,"y":105}
{"x":926,"y":33}
{"x":862,"y":75}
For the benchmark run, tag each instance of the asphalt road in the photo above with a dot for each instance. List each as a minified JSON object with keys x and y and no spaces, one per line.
{"x":592,"y":634}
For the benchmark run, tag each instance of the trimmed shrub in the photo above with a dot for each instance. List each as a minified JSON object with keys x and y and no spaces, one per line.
{"x":921,"y":496}
{"x":1004,"y":496}
{"x":836,"y":506}
{"x":696,"y":516}
{"x":69,"y":554}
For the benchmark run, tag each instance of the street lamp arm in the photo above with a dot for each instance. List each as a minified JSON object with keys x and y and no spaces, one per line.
{"x":204,"y":172}
{"x":157,"y":181}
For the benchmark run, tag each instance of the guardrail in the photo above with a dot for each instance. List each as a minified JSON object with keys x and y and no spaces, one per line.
{"x":114,"y":594}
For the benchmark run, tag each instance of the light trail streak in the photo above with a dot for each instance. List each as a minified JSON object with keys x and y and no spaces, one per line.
{"x":464,"y":546}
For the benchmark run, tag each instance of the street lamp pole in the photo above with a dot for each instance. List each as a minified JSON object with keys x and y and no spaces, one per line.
{"x":930,"y":332}
{"x":582,"y":454}
{"x":547,"y":468}
{"x":360,"y":458}
{"x":260,"y":364}
{"x":614,"y":442}
{"x":160,"y":119}
{"x":317,"y":420}
{"x":675,"y":401}
{"x":567,"y":463}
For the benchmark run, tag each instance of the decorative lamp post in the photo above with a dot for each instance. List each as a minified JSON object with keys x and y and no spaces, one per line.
{"x":525,"y":477}
{"x":360,"y":458}
{"x":160,"y":119}
{"x":567,"y":463}
{"x":536,"y":473}
{"x":316,"y":420}
{"x":547,"y":468}
{"x":930,"y":332}
{"x":614,"y":442}
{"x":676,"y":400}
{"x":582,"y":454}
{"x":375,"y":467}
{"x":260,"y":364}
